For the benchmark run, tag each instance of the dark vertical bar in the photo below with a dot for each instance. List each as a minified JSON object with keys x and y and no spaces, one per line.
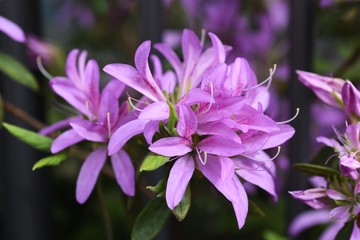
{"x":301,"y":22}
{"x":151,"y":17}
{"x":25,"y":212}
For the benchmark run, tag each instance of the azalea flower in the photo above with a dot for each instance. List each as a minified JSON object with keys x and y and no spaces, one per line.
{"x":103,"y":115}
{"x":12,"y":30}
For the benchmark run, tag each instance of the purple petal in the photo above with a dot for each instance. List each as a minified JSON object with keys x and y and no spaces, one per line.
{"x":91,"y":80}
{"x":71,"y":67}
{"x":220,"y":146}
{"x":171,"y":56}
{"x":333,"y":194}
{"x":64,"y":140}
{"x":178,"y":180}
{"x":340,"y":213}
{"x":114,"y":86}
{"x":212,"y":80}
{"x":12,"y":30}
{"x":195,"y":96}
{"x":242,"y":77}
{"x":187,"y":123}
{"x":353,"y":134}
{"x":124,"y":172}
{"x":218,"y":47}
{"x":351,"y":97}
{"x":331,"y":143}
{"x":124,"y":133}
{"x":219,"y":129}
{"x":171,"y":146}
{"x":332,"y":231}
{"x":355,"y":232}
{"x":58,"y":125}
{"x":308,"y":219}
{"x":109,"y":109}
{"x":89,"y":173}
{"x":315,"y":197}
{"x":155,"y":111}
{"x":90,"y":130}
{"x":150,"y":129}
{"x":256,"y":174}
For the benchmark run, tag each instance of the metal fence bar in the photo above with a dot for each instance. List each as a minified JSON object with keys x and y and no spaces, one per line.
{"x":24,"y":194}
{"x":300,"y":35}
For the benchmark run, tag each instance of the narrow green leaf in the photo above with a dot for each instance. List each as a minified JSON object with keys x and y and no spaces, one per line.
{"x":53,"y":160}
{"x":181,"y":210}
{"x":32,"y":138}
{"x":254,"y":209}
{"x":158,"y":188}
{"x":316,"y":170}
{"x":17,"y":71}
{"x":151,"y":220}
{"x":153,"y":162}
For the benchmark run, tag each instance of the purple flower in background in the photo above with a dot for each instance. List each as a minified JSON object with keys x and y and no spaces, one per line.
{"x":12,"y":30}
{"x":103,"y":116}
{"x":351,"y":98}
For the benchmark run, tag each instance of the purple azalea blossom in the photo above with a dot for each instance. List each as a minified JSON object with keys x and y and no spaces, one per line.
{"x":221,"y":126}
{"x":351,"y":98}
{"x":103,"y":116}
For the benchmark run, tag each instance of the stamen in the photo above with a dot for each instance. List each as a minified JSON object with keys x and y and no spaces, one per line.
{"x":212,"y":97}
{"x":108,"y":123}
{"x":203,"y":35}
{"x":268,"y":80}
{"x":203,"y":161}
{"x":132,"y":105}
{"x":259,"y":160}
{"x":291,"y":119}
{"x":42,"y":69}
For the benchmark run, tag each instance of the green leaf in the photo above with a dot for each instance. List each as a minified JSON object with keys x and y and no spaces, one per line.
{"x":151,"y":220}
{"x":17,"y":71}
{"x":181,"y":210}
{"x":153,"y":162}
{"x":270,"y":235}
{"x":254,"y":209}
{"x":35,"y":140}
{"x":316,"y":170}
{"x":158,"y":188}
{"x":53,"y":160}
{"x":172,"y":119}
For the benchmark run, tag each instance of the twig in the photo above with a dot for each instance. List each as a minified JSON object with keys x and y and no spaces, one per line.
{"x":104,"y":211}
{"x":348,"y":62}
{"x":24,"y":116}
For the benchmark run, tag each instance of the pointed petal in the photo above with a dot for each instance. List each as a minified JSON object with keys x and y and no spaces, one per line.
{"x":89,"y":173}
{"x":171,"y":146}
{"x":114,"y":86}
{"x":150,"y":129}
{"x":91,"y":80}
{"x":171,"y":56}
{"x":64,"y":140}
{"x":90,"y":130}
{"x":212,"y":80}
{"x":241,"y":77}
{"x":333,"y":194}
{"x":187,"y":123}
{"x":218,"y":47}
{"x":314,"y":197}
{"x":308,"y":219}
{"x":109,"y":109}
{"x":124,"y":172}
{"x":219,"y":129}
{"x":195,"y":96}
{"x":340,"y":213}
{"x":355,"y":234}
{"x":256,"y":174}
{"x":220,"y":146}
{"x":351,"y":98}
{"x":178,"y":180}
{"x":353,"y":134}
{"x":71,"y":67}
{"x":58,"y":125}
{"x":124,"y":133}
{"x":332,"y":231}
{"x":12,"y":30}
{"x":155,"y":111}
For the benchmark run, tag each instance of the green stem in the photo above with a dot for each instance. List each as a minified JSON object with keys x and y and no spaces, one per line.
{"x":105,"y":212}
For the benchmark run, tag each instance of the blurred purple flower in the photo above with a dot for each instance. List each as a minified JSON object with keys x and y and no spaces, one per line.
{"x":12,"y":30}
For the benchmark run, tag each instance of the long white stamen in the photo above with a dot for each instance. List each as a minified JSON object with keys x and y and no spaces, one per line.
{"x":42,"y":69}
{"x":259,"y":160}
{"x":212,"y":97}
{"x":132,"y":105}
{"x":203,"y":35}
{"x":203,"y":161}
{"x":108,"y":123}
{"x":291,"y":119}
{"x":136,"y":100}
{"x":268,"y":80}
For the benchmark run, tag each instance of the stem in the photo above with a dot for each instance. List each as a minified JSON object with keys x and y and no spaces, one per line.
{"x":22,"y":115}
{"x":348,"y":62}
{"x":105,"y":212}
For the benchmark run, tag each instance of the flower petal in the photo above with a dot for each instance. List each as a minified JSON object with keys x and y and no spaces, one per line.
{"x":355,"y":234}
{"x":351,"y":97}
{"x":58,"y":125}
{"x":64,"y":140}
{"x":308,"y":219}
{"x":315,"y":197}
{"x":171,"y":146}
{"x":155,"y":111}
{"x":90,"y":130}
{"x":187,"y":123}
{"x":91,"y":80}
{"x":124,"y":172}
{"x":124,"y":133}
{"x":178,"y":180}
{"x":195,"y":96}
{"x":218,"y":47}
{"x":171,"y":56}
{"x":114,"y":86}
{"x":89,"y":173}
{"x":220,"y":146}
{"x":353,"y":134}
{"x":150,"y":129}
{"x":219,"y":129}
{"x":12,"y":30}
